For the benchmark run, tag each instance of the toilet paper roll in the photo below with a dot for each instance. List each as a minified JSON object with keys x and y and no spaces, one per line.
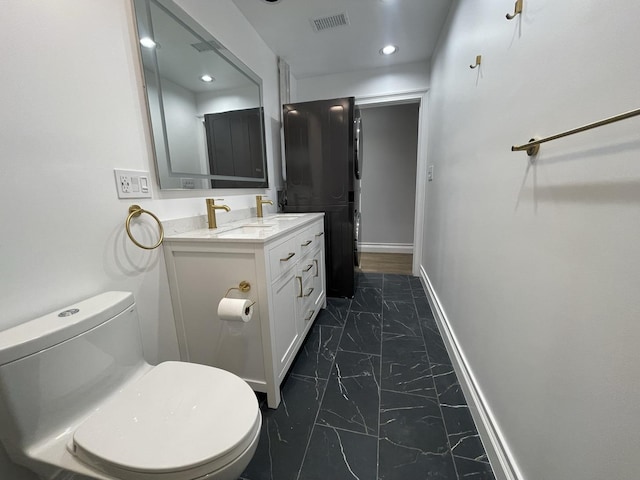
{"x":235,"y":309}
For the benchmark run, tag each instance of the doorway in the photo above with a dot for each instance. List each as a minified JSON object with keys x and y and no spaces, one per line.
{"x":392,"y":192}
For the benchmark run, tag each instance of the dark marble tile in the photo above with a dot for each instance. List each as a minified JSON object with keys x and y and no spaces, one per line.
{"x":419,"y":293}
{"x":429,"y":327}
{"x":415,"y":283}
{"x":417,"y":427}
{"x":362,"y":333}
{"x":338,"y":454}
{"x":335,"y":314}
{"x":405,"y":366}
{"x":473,"y":470}
{"x":400,"y":463}
{"x":286,"y":431}
{"x":393,"y":280}
{"x":400,"y":318}
{"x":413,"y":441}
{"x":438,"y":355}
{"x":318,"y":352}
{"x":352,"y":396}
{"x":422,"y":306}
{"x":399,"y":296}
{"x":367,"y":300}
{"x":449,"y":390}
{"x":369,"y":280}
{"x":468,"y":445}
{"x":397,"y":288}
{"x":458,"y":420}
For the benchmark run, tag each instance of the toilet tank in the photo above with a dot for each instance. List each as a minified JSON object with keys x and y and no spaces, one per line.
{"x":56,"y":369}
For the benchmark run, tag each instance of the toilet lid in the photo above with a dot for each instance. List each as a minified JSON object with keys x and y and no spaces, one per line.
{"x":177,"y":417}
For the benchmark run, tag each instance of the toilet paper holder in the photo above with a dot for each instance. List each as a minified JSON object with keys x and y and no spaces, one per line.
{"x":243,"y":287}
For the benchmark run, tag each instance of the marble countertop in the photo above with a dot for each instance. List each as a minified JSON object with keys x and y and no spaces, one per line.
{"x":248,"y":230}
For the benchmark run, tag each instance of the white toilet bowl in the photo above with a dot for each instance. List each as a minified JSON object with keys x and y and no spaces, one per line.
{"x":77,"y":400}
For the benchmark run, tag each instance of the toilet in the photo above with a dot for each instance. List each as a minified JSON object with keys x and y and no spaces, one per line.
{"x":78,"y":400}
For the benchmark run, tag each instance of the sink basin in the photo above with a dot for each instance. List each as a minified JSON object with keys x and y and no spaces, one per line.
{"x":258,"y":225}
{"x":258,"y":231}
{"x":287,"y":216}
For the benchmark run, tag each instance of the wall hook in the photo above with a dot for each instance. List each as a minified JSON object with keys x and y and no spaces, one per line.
{"x":517,"y":10}
{"x":478,"y":61}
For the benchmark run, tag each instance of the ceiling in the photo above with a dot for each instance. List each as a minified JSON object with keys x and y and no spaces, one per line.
{"x":178,"y":59}
{"x":286,"y":27}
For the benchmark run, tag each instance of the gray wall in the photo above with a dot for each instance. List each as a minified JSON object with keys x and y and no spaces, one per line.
{"x":389,"y":173}
{"x":537,"y":266}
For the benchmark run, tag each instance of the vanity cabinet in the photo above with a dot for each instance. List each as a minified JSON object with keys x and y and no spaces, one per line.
{"x":282,"y":257}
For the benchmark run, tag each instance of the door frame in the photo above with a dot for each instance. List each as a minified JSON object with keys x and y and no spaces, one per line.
{"x":422,"y":98}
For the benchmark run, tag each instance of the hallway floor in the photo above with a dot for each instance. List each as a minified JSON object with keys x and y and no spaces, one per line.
{"x":371,"y":395}
{"x":386,"y":263}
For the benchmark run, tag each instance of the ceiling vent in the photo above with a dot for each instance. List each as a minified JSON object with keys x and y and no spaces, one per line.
{"x":324,"y":23}
{"x":206,"y":46}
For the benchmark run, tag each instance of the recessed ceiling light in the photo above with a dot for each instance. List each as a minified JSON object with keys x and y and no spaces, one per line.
{"x":388,"y":50}
{"x":147,"y":42}
{"x":271,"y":1}
{"x":207,"y":78}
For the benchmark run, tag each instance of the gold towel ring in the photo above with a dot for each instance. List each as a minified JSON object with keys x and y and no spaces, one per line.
{"x":136,"y":211}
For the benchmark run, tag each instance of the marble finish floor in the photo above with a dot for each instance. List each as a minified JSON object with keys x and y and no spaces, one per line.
{"x":371,"y":395}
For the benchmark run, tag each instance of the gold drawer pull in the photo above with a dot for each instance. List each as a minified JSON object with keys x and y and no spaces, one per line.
{"x":310,"y":316}
{"x":319,"y":234}
{"x":309,"y":267}
{"x":300,"y":280}
{"x":309,"y":292}
{"x":307,"y":243}
{"x":289,"y":257}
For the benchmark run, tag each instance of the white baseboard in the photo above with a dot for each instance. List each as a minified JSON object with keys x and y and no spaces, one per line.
{"x":498,"y":452}
{"x":386,"y":248}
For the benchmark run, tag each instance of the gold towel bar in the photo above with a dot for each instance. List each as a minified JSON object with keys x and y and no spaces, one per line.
{"x":533,"y":146}
{"x":136,"y":211}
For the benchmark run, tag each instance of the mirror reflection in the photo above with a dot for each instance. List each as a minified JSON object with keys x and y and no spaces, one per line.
{"x":205,"y":106}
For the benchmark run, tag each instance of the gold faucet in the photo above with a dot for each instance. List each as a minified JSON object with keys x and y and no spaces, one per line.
{"x":211,"y":211}
{"x":259,"y":203}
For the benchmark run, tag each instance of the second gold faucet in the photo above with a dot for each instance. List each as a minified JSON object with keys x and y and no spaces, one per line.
{"x":211,"y":211}
{"x":259,"y":203}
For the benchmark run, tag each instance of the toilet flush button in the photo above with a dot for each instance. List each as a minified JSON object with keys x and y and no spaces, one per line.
{"x":68,"y":313}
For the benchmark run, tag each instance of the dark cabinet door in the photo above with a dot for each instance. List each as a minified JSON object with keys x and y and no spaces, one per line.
{"x":234,"y":143}
{"x":319,"y":150}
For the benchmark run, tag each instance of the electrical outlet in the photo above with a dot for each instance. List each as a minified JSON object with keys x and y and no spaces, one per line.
{"x":133,"y":184}
{"x":125,"y":184}
{"x":188,"y":183}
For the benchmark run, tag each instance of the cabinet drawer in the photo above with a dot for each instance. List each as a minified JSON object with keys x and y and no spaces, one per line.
{"x":309,"y":239}
{"x":283,"y":257}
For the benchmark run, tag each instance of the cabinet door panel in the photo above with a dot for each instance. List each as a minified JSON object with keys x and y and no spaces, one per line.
{"x":284,"y":326}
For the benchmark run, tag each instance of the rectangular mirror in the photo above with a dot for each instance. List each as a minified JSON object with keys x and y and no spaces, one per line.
{"x":204,"y":105}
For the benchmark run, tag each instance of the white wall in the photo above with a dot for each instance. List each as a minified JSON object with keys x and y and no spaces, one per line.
{"x":72,"y":111}
{"x":183,"y":125}
{"x":363,"y":83}
{"x":224,"y":101}
{"x":390,"y":140}
{"x":537,"y":266}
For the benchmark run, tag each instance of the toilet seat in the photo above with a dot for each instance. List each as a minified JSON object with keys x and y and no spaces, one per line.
{"x":179,"y":421}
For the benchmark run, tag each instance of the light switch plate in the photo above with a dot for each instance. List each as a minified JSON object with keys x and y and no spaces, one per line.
{"x":430,"y":173}
{"x":133,"y":183}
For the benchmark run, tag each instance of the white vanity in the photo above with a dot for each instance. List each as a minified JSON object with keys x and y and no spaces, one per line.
{"x":282,"y":258}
